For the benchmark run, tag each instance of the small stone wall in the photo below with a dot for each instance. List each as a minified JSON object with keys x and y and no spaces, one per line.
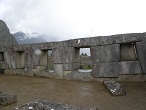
{"x":111,"y":57}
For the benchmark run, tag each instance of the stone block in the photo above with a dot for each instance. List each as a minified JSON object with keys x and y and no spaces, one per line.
{"x":76,"y":66}
{"x":58,"y":57}
{"x":114,"y":88}
{"x":58,"y":54}
{"x":85,"y":75}
{"x":126,"y":38}
{"x":141,"y":54}
{"x":77,"y":55}
{"x":105,"y":69}
{"x":28,"y":56}
{"x":87,"y":42}
{"x":66,"y":72}
{"x":58,"y":69}
{"x":106,"y":40}
{"x":83,"y":42}
{"x":107,"y":53}
{"x":132,"y":77}
{"x":2,"y":65}
{"x":94,"y":54}
{"x":71,"y":66}
{"x":6,"y":99}
{"x":130,"y":67}
{"x":68,"y":66}
{"x":68,"y":54}
{"x":36,"y":59}
{"x":36,"y":71}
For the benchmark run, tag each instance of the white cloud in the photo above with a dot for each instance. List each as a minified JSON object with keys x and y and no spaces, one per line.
{"x":67,"y":19}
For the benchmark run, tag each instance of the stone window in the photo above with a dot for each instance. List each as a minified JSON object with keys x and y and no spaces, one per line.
{"x":1,"y":56}
{"x":83,"y":59}
{"x":128,"y":52}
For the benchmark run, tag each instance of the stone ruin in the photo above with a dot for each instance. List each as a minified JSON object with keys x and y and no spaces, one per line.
{"x":122,"y":57}
{"x":115,"y":89}
{"x":111,"y":56}
{"x":116,"y":56}
{"x":6,"y":99}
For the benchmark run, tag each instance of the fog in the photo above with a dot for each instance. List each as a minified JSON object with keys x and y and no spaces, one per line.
{"x":69,"y":19}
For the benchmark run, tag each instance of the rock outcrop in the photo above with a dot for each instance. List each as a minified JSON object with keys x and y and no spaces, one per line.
{"x":6,"y":38}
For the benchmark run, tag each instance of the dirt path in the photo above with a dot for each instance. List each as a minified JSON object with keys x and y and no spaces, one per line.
{"x":83,"y":94}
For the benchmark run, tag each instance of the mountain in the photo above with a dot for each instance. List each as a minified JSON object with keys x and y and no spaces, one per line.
{"x":28,"y":38}
{"x":6,"y":38}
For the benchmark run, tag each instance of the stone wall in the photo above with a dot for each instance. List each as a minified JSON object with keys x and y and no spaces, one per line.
{"x":118,"y":56}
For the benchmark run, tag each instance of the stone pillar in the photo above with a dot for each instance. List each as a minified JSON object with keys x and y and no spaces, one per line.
{"x":68,"y":58}
{"x":28,"y":56}
{"x":71,"y":59}
{"x":76,"y":65}
{"x":58,"y":60}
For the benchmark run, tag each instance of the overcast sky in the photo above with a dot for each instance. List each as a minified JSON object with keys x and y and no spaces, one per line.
{"x":69,"y":19}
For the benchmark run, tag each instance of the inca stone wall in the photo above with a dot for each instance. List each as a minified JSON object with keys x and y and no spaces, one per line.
{"x":117,"y":56}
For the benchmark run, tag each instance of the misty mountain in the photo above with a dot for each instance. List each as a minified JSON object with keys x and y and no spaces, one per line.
{"x":28,"y":38}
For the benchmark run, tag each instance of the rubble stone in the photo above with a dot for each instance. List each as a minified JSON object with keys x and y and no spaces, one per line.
{"x":6,"y":99}
{"x":48,"y":105}
{"x":114,"y":88}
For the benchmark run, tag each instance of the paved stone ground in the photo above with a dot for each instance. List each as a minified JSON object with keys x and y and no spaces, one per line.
{"x":78,"y":93}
